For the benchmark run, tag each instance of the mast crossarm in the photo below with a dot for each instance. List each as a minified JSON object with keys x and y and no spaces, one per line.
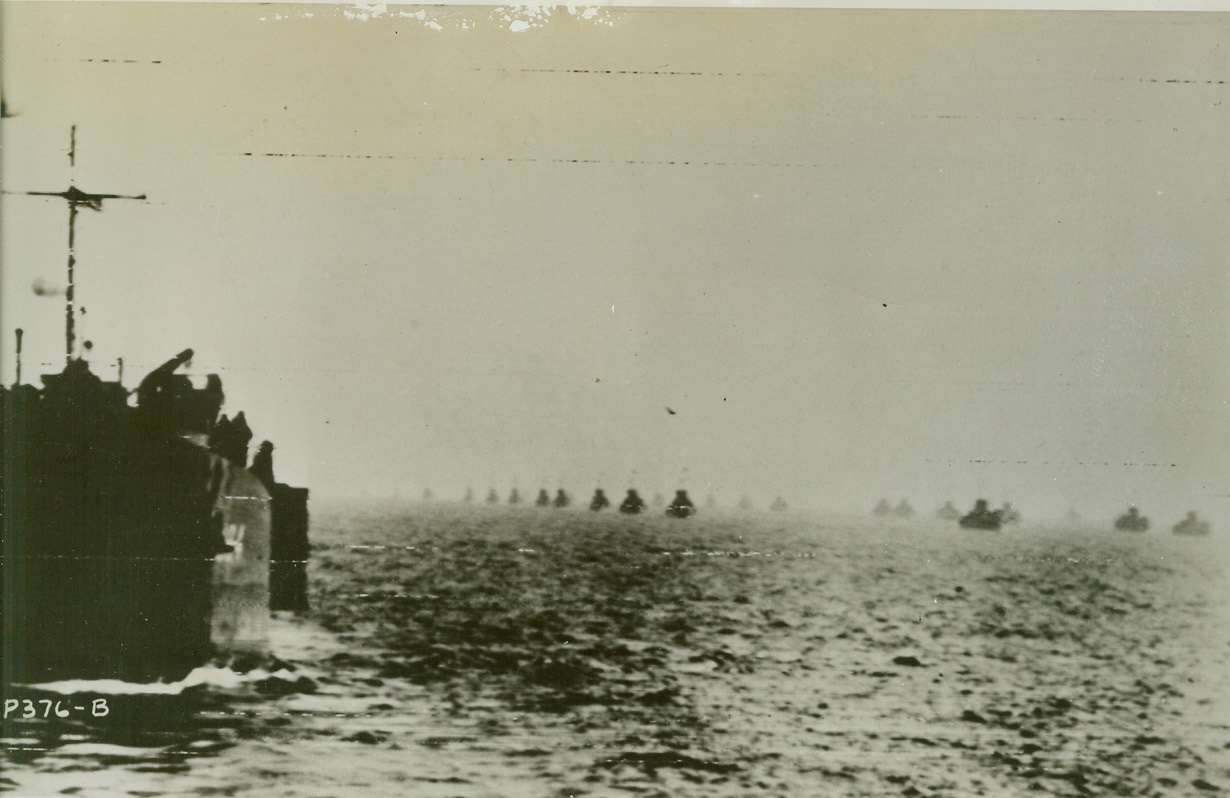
{"x":76,"y":196}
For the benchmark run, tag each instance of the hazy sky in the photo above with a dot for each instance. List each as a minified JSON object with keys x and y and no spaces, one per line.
{"x":924,"y":255}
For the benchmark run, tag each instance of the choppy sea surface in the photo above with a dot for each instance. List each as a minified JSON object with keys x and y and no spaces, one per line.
{"x":457,"y":650}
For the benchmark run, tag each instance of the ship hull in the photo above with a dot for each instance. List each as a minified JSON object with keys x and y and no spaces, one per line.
{"x":108,"y":544}
{"x":129,"y":552}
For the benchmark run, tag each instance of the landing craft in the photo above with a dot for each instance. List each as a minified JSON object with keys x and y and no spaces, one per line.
{"x":1191,"y":525}
{"x":948,"y":512}
{"x":632,"y":503}
{"x":174,"y":547}
{"x":981,"y":517}
{"x":681,"y":506}
{"x":1132,"y":521}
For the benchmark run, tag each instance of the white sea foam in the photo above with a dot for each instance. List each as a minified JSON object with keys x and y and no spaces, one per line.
{"x":204,"y":675}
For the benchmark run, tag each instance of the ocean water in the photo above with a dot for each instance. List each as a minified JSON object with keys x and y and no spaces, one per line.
{"x":493,"y":651}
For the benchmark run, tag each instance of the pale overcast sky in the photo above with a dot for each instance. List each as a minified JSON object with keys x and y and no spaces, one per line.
{"x":914,"y":254}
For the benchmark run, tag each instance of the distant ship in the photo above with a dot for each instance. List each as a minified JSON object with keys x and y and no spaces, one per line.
{"x":632,"y":503}
{"x":544,"y":499}
{"x":1008,"y":514}
{"x":882,"y":509}
{"x":681,"y":506}
{"x":779,"y":505}
{"x":1192,"y":525}
{"x":745,"y":503}
{"x":600,"y":501}
{"x":1132,"y":521}
{"x":514,"y":497}
{"x":948,"y":512}
{"x":562,"y":499}
{"x":903,"y":510}
{"x":493,"y":497}
{"x":981,"y":517}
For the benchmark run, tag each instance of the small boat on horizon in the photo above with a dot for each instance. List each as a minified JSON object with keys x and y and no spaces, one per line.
{"x":681,"y":506}
{"x":1132,"y":521}
{"x":632,"y":503}
{"x":1192,"y":525}
{"x":948,"y":512}
{"x":981,"y":517}
{"x":600,"y":501}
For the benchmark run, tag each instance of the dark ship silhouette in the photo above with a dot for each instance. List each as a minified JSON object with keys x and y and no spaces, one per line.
{"x":288,"y":537}
{"x":903,"y":510}
{"x":562,"y":499}
{"x":136,"y":541}
{"x":543,"y":500}
{"x":779,"y":505}
{"x":981,"y":517}
{"x":493,"y":497}
{"x":681,"y":506}
{"x":882,"y":509}
{"x":1132,"y":521}
{"x":514,"y":497}
{"x":632,"y":503}
{"x":1191,"y":525}
{"x":600,"y":501}
{"x":745,"y":503}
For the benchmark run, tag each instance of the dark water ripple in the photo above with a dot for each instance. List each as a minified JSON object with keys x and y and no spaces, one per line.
{"x":500,"y":651}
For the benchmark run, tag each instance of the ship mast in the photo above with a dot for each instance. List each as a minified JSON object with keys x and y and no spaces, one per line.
{"x":18,"y":380}
{"x":76,"y":198}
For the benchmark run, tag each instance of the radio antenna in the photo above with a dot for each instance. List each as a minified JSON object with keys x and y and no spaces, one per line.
{"x":76,"y":198}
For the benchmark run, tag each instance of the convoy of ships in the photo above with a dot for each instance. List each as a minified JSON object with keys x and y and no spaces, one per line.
{"x":980,"y":516}
{"x":140,"y":540}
